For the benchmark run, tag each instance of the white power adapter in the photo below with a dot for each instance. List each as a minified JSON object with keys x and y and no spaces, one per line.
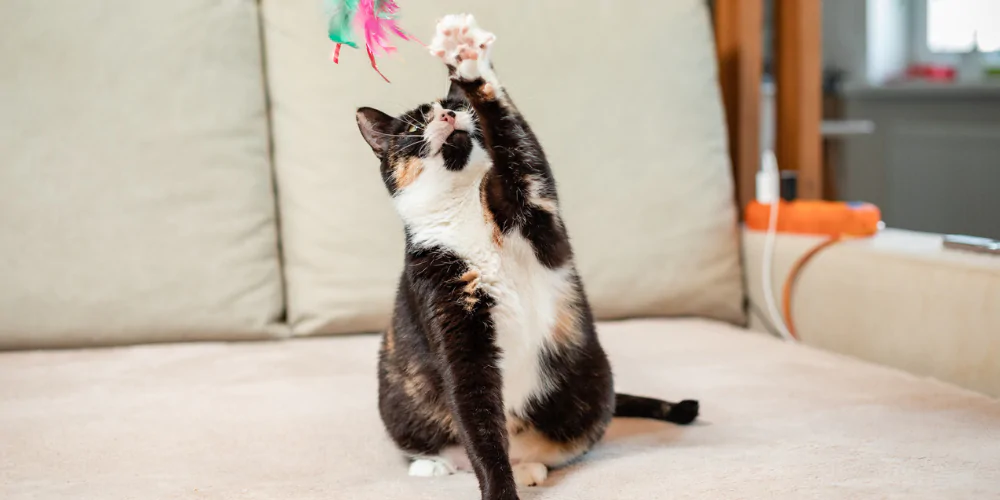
{"x":768,"y":179}
{"x":769,"y":193}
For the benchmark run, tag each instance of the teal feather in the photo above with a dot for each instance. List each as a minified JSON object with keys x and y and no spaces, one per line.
{"x":341,"y":19}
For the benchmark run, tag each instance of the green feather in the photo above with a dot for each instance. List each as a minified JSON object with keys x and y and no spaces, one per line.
{"x":341,"y":14}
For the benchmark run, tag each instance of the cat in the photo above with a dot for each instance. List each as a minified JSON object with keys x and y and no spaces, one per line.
{"x":492,"y":362}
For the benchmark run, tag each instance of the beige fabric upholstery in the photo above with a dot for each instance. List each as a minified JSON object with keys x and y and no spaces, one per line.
{"x":635,"y":110}
{"x":135,"y":194}
{"x":898,"y":299}
{"x":298,"y":420}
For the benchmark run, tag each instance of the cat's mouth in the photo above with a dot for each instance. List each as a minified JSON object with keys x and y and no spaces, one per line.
{"x":444,"y":136}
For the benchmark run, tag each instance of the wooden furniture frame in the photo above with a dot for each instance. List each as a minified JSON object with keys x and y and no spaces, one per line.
{"x":739,"y":27}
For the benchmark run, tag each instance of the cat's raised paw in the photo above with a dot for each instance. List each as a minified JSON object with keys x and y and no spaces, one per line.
{"x":530,"y":473}
{"x":463,"y":46}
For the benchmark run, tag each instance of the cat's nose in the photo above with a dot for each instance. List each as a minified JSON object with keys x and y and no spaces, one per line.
{"x":447,"y":116}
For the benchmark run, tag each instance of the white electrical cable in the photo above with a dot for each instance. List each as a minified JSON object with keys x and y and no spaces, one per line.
{"x":769,"y":193}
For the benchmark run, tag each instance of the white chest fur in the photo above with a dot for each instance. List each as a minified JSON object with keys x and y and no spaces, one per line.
{"x":444,"y":209}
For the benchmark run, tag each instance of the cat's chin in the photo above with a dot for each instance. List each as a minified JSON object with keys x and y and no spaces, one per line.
{"x":459,"y":138}
{"x":456,"y":150}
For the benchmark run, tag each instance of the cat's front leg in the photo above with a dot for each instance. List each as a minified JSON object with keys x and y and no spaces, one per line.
{"x":462,"y":338}
{"x":520,"y":188}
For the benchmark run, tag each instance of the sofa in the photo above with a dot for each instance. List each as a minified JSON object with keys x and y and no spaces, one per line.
{"x":197,"y":254}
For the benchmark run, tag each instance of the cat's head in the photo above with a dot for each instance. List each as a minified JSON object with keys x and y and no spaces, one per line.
{"x":439,"y":136}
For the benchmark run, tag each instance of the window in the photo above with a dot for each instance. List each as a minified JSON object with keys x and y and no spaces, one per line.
{"x":962,"y":25}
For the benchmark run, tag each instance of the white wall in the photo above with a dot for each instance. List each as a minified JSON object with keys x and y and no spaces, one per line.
{"x":887,"y":39}
{"x":844,"y":36}
{"x":868,"y":39}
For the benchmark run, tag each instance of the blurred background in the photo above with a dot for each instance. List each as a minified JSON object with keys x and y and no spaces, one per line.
{"x":911,"y":109}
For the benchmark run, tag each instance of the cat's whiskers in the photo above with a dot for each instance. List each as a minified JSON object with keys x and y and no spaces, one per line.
{"x":390,"y":135}
{"x":412,"y":123}
{"x":421,"y":142}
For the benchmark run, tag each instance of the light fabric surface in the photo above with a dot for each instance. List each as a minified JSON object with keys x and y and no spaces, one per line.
{"x":298,"y":420}
{"x":632,"y":124}
{"x":898,"y":299}
{"x":136,"y":201}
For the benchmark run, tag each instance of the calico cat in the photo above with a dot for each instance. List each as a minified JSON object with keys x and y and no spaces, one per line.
{"x":492,"y":362}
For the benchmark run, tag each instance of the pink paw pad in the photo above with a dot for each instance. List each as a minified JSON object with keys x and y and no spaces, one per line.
{"x":468,"y":53}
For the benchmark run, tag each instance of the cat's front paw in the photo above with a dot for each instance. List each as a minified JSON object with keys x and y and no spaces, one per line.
{"x":463,"y":46}
{"x":429,"y":467}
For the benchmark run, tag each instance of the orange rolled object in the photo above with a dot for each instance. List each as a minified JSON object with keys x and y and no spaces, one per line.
{"x":829,"y":218}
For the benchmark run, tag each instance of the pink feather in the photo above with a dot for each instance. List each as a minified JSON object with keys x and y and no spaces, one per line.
{"x":376,"y":19}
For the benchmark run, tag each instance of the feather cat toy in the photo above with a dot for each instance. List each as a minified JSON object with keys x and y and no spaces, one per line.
{"x":374,"y":20}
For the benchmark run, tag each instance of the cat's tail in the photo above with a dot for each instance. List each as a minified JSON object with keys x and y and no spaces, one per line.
{"x":683,"y":412}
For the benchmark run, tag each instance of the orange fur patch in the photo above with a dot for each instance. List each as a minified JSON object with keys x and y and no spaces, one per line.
{"x":529,"y":445}
{"x":471,"y":280}
{"x":566,"y":331}
{"x":487,"y":91}
{"x":415,"y":384}
{"x":417,"y":387}
{"x":534,"y":183}
{"x":515,"y":425}
{"x":407,"y":171}
{"x":488,"y":215}
{"x":443,"y":417}
{"x":390,"y":341}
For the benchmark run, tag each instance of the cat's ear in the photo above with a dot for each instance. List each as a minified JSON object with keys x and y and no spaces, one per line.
{"x":375,"y":128}
{"x":455,"y":92}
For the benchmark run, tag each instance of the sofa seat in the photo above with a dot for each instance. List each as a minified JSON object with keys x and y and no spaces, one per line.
{"x":297,"y":419}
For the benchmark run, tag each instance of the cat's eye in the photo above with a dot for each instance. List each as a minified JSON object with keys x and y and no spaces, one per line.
{"x":413,"y":128}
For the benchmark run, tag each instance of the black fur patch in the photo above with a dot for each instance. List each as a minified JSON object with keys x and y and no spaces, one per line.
{"x":456,"y":150}
{"x":683,"y":412}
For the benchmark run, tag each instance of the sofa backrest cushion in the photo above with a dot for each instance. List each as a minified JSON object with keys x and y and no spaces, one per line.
{"x":136,"y":201}
{"x":625,"y":102}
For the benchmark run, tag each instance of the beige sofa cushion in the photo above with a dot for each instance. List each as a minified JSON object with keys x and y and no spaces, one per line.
{"x":898,"y":299}
{"x":136,"y":201}
{"x":298,"y":420}
{"x":644,"y":182}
